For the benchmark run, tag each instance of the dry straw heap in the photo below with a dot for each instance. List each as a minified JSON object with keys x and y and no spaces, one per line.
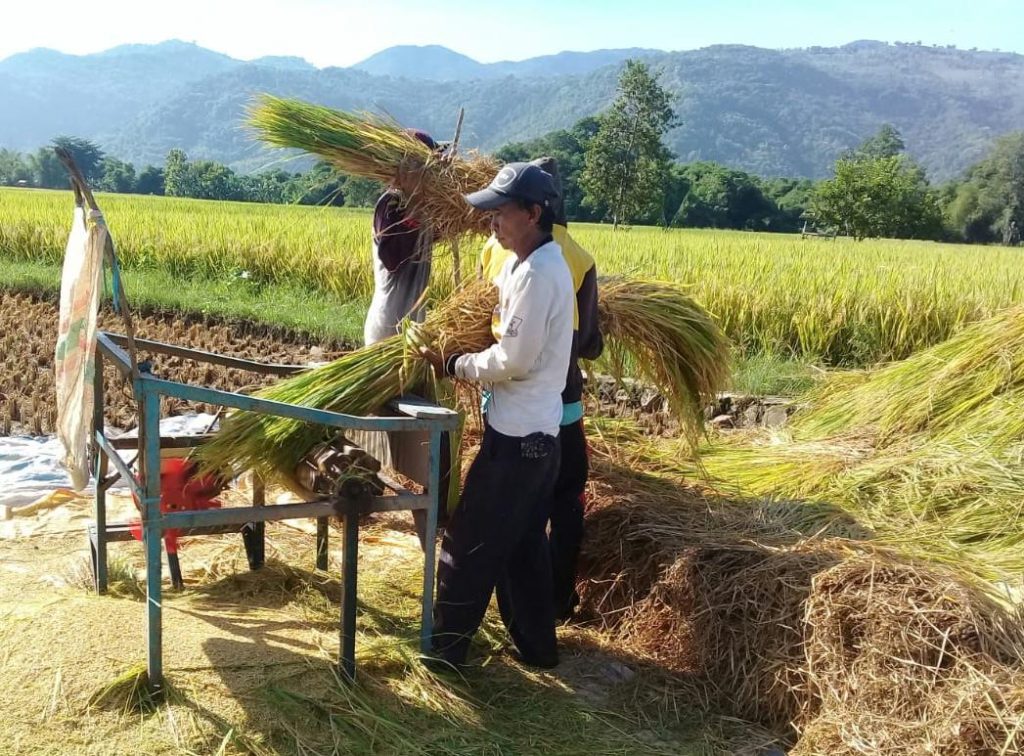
{"x":867,"y":625}
{"x":785,"y":617}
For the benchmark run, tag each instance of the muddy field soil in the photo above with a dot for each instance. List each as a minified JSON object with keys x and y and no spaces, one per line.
{"x":28,"y":336}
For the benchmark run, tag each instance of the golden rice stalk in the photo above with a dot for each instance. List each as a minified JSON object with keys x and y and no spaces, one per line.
{"x":659,"y":332}
{"x":378,"y":148}
{"x":358,"y":383}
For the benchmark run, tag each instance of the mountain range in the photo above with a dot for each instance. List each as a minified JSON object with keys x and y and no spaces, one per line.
{"x":771,"y":112}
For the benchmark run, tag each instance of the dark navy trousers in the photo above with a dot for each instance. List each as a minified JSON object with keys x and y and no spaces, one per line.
{"x":567,"y":517}
{"x":496,"y":541}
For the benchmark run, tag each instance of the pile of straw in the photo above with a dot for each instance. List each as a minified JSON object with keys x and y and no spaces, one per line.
{"x":836,"y":644}
{"x":671,"y":339}
{"x":701,"y":587}
{"x":378,"y":148}
{"x":902,"y":658}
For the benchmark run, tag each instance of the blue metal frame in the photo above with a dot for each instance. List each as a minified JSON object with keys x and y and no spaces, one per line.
{"x":148,"y":389}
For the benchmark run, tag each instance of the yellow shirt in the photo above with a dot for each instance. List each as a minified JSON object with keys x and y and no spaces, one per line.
{"x":578,"y":259}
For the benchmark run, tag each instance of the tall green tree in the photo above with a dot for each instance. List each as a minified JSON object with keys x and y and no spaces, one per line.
{"x":361,"y":192}
{"x":792,"y":197}
{"x":627,"y":165}
{"x":88,"y":156}
{"x":270,"y":186}
{"x":47,"y":171}
{"x":179,"y":180}
{"x":719,"y":197}
{"x":888,"y":142}
{"x":118,"y":176}
{"x":150,"y":181}
{"x":879,"y":197}
{"x":322,"y":185}
{"x":215,"y":181}
{"x":568,"y":147}
{"x":991,"y":198}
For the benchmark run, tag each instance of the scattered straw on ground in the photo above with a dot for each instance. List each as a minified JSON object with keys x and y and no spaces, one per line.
{"x":845,"y":646}
{"x":249,"y":663}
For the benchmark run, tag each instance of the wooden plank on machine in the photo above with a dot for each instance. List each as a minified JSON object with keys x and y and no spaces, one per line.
{"x":404,"y":452}
{"x":414,"y":406}
{"x":410,"y":451}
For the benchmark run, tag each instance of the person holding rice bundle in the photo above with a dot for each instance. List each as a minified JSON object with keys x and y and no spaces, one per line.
{"x":402,"y":253}
{"x":566,"y":530}
{"x":402,"y":257}
{"x":495,"y":539}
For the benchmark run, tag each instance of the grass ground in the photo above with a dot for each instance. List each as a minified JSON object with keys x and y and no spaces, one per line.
{"x":773,"y":375}
{"x":320,"y":315}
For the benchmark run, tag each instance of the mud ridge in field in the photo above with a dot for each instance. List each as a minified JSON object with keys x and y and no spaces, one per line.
{"x":28,"y":336}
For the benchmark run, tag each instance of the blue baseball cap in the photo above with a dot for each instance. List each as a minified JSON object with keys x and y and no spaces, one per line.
{"x":523,"y":181}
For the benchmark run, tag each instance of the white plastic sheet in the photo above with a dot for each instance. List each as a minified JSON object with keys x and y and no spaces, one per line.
{"x":75,"y":359}
{"x":31,"y":467}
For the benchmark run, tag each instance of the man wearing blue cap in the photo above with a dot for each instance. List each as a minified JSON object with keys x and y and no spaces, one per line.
{"x":496,"y":539}
{"x":566,"y":532}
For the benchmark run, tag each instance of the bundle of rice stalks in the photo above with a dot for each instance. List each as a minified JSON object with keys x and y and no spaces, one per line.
{"x":907,"y":659}
{"x":926,"y":451}
{"x":970,"y":384}
{"x":377,"y":148}
{"x":669,"y":340}
{"x":358,"y":383}
{"x":673,"y":342}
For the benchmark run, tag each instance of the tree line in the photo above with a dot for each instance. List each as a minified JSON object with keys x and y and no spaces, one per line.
{"x":615,"y":167}
{"x":181,"y":177}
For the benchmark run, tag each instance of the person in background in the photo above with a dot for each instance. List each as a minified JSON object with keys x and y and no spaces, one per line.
{"x":1011,"y":237}
{"x":495,"y":539}
{"x":566,"y":528}
{"x":402,"y":253}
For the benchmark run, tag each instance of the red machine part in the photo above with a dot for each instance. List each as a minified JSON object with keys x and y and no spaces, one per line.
{"x":183,"y":488}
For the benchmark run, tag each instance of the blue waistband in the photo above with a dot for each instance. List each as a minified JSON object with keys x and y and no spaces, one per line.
{"x":571,"y":413}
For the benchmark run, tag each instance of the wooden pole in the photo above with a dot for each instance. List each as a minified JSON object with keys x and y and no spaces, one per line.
{"x":456,"y":258}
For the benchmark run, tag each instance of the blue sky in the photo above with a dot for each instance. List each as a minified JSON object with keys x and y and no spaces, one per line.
{"x":342,"y":32}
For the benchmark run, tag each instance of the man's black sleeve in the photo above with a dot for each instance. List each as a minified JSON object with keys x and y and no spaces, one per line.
{"x":591,"y":343}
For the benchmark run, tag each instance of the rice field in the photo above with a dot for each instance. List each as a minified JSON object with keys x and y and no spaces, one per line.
{"x":837,"y":302}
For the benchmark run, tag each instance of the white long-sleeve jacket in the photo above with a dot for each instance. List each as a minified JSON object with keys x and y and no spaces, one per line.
{"x":526,"y":368}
